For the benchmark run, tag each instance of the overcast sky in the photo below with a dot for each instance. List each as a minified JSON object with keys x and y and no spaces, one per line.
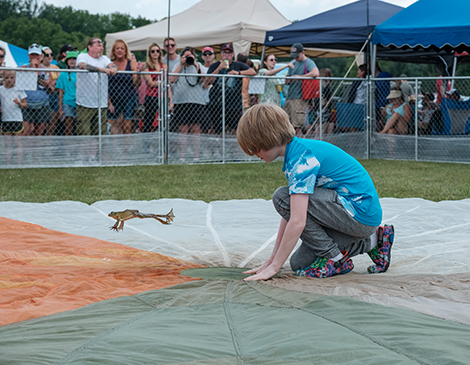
{"x":158,"y":9}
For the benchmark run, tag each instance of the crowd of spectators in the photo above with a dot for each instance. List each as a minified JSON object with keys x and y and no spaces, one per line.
{"x":201,"y":99}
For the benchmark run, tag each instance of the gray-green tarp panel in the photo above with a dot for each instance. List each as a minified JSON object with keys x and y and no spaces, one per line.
{"x":233,"y":322}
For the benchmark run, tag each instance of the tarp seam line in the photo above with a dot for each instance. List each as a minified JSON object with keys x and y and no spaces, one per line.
{"x":232,"y":325}
{"x":216,"y":235}
{"x":90,"y":343}
{"x":258,"y":289}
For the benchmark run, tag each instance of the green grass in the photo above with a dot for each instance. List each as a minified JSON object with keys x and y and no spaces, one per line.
{"x":398,"y":179}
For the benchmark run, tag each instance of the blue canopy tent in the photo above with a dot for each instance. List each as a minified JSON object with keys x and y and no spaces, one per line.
{"x":428,"y":24}
{"x":424,"y":27}
{"x":346,"y":27}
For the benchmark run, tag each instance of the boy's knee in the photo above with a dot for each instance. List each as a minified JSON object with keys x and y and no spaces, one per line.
{"x":281,"y":200}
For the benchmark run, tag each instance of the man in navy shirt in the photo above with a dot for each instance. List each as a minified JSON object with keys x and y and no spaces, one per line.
{"x":232,"y":89}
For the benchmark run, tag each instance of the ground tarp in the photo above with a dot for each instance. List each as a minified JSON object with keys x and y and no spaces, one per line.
{"x":417,"y":312}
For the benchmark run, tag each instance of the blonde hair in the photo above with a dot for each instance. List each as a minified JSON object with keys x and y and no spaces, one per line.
{"x":115,"y":44}
{"x":9,"y":72}
{"x":150,"y":63}
{"x":262,"y":127}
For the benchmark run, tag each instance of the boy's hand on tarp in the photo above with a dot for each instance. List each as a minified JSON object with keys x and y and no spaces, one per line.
{"x":258,"y":269}
{"x":266,"y":274}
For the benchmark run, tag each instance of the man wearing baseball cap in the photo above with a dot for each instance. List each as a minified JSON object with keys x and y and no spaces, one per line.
{"x":233,"y":90}
{"x":295,"y":106}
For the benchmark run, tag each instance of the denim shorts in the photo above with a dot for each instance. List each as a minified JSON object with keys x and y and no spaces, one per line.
{"x":69,"y":111}
{"x":126,"y":107}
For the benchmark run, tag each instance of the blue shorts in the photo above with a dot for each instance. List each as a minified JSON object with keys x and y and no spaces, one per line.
{"x":54,"y":102}
{"x":69,"y":111}
{"x":126,"y":107}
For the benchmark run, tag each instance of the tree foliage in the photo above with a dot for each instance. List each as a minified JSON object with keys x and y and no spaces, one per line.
{"x":23,"y":22}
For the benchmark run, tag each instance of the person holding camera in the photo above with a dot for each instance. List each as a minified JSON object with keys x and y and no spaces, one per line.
{"x":188,"y":100}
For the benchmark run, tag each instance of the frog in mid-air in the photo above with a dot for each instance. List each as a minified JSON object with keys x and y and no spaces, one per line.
{"x":127,"y":214}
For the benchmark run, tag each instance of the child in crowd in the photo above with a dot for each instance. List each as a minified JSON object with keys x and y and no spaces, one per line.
{"x":12,"y":100}
{"x":67,"y":85}
{"x":330,"y":204}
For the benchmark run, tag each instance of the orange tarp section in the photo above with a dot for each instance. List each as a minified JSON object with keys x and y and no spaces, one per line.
{"x":44,"y":271}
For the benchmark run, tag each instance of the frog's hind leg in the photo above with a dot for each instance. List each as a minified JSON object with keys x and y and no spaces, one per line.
{"x":115,"y":227}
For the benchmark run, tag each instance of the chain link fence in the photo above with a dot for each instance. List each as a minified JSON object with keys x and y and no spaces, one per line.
{"x":78,"y":118}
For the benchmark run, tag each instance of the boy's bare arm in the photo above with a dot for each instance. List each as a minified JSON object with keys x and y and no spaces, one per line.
{"x":292,"y":232}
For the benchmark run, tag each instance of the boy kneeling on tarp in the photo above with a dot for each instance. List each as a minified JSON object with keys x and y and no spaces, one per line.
{"x":330,"y":204}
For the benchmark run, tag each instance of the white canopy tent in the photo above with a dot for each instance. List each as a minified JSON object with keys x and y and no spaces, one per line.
{"x":214,"y":22}
{"x":14,"y":56}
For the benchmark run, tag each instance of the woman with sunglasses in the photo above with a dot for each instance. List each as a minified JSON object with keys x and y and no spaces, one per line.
{"x":208,"y":57}
{"x":52,"y":91}
{"x":152,"y":97}
{"x":272,"y":86}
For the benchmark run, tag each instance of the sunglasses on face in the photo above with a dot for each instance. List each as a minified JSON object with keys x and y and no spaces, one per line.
{"x":48,"y":54}
{"x":227,"y":52}
{"x":272,"y":59}
{"x":2,"y":56}
{"x":170,"y":45}
{"x":207,"y":54}
{"x":154,"y":51}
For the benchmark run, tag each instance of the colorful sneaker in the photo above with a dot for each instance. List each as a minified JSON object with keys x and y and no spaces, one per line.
{"x":323,"y":267}
{"x":381,"y":254}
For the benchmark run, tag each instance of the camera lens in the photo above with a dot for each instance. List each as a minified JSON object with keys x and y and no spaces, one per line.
{"x":190,"y":60}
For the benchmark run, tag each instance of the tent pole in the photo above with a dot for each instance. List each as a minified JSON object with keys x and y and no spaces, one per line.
{"x":262,"y":56}
{"x":454,"y":70}
{"x":372,"y":111}
{"x":168,"y":35}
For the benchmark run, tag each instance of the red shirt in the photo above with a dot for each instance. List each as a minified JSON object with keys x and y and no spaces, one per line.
{"x":154,"y":91}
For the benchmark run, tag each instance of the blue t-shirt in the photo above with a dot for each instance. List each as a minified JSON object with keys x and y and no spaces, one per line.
{"x":311,"y":163}
{"x":69,"y":85}
{"x":300,"y":68}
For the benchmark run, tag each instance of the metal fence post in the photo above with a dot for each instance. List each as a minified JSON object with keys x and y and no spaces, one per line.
{"x":224,"y":80}
{"x":416,"y":119}
{"x":165,"y":116}
{"x":99,"y":121}
{"x":320,"y":100}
